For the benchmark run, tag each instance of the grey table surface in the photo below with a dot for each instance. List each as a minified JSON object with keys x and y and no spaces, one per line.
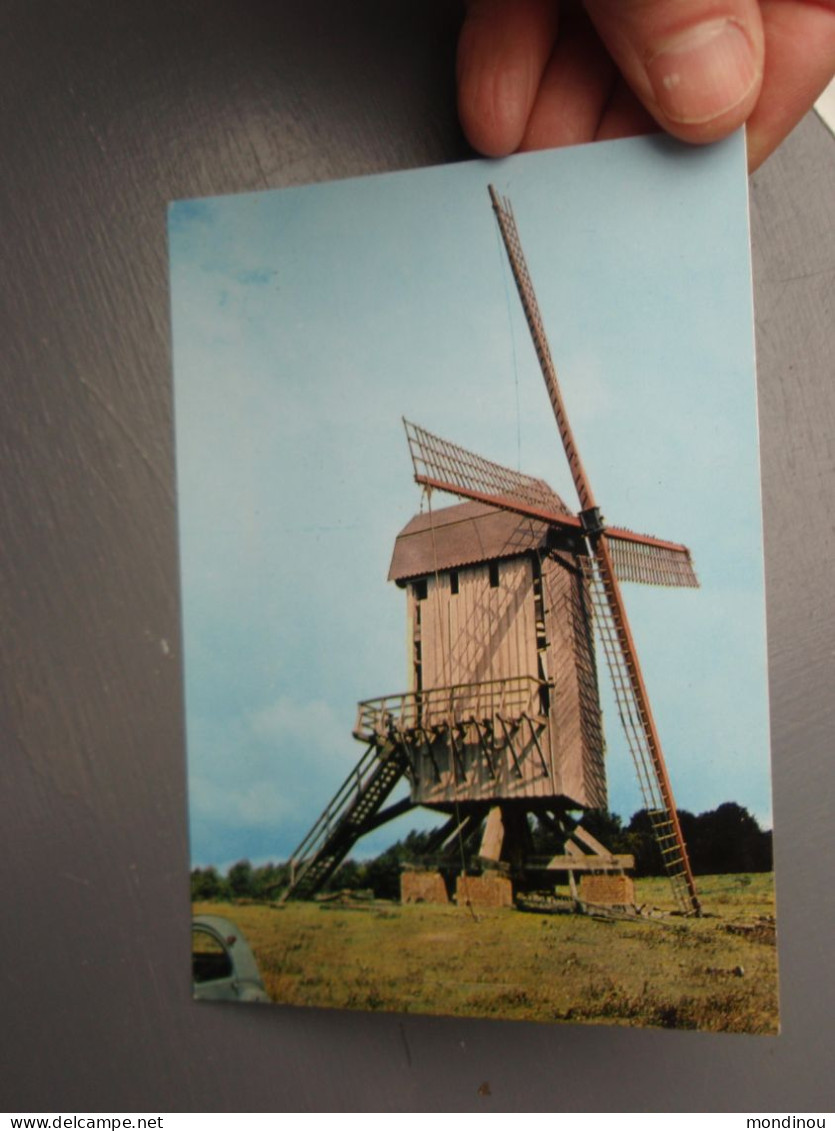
{"x":109,"y":111}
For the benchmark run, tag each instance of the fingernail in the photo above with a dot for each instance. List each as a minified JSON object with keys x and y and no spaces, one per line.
{"x":704,"y":72}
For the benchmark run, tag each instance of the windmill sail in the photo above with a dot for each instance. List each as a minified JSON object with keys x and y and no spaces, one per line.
{"x":446,"y":466}
{"x":443,"y":465}
{"x":630,"y":688}
{"x":650,"y":561}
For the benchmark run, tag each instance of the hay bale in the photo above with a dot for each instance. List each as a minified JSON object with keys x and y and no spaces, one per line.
{"x":607,"y":890}
{"x":491,"y":889}
{"x":422,"y":887}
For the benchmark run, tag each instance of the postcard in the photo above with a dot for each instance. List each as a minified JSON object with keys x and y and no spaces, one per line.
{"x":472,"y":585}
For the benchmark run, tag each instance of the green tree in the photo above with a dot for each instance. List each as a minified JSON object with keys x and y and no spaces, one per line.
{"x":349,"y":876}
{"x":239,"y":878}
{"x":640,"y":842}
{"x":207,"y":885}
{"x":382,"y":874}
{"x":606,"y":827}
{"x":729,"y":839}
{"x":268,"y":880}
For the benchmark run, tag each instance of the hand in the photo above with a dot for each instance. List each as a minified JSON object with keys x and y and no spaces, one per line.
{"x":539,"y":73}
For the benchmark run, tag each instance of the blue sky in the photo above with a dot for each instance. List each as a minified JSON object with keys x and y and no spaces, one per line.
{"x":308,"y":321}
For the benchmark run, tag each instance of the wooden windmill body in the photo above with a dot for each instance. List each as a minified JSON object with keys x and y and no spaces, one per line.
{"x":502,"y":656}
{"x":501,"y":719}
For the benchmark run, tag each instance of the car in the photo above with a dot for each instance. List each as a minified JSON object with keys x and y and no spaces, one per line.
{"x":222,"y":964}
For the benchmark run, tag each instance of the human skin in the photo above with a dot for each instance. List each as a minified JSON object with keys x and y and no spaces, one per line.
{"x":539,"y":73}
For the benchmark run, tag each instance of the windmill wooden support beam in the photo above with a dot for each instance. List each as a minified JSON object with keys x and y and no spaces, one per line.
{"x":568,"y":863}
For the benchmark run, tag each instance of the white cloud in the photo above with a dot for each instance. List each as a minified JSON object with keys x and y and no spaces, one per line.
{"x":269,"y":769}
{"x":287,"y":722}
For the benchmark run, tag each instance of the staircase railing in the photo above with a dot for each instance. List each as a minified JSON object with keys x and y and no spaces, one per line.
{"x":346,"y":817}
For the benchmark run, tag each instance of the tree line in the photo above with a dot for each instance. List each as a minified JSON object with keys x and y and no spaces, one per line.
{"x":726,"y":839}
{"x":722,"y":840}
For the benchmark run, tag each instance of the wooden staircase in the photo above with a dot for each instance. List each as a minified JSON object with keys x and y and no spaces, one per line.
{"x":354,"y":811}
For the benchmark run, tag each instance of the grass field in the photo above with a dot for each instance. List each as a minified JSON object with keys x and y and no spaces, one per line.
{"x":718,"y":973}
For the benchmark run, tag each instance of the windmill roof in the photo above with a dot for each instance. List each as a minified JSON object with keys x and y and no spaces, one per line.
{"x":462,"y":535}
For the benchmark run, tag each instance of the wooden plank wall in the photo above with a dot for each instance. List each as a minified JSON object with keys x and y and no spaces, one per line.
{"x":576,"y":737}
{"x":484,"y":633}
{"x":476,"y":635}
{"x":480,"y":633}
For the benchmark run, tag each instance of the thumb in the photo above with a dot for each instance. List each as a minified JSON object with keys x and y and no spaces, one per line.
{"x":696,"y":65}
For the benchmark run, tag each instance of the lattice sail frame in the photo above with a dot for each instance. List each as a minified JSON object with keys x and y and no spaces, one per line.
{"x":446,"y":466}
{"x":449,"y":467}
{"x":636,"y":559}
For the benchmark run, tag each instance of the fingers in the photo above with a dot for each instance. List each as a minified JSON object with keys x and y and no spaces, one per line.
{"x":700,"y":68}
{"x":575,"y":87}
{"x":503,"y":50}
{"x":624,"y":116}
{"x":696,"y":65}
{"x":799,"y":62}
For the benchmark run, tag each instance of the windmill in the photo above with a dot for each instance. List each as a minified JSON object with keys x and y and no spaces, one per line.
{"x":492,"y":732}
